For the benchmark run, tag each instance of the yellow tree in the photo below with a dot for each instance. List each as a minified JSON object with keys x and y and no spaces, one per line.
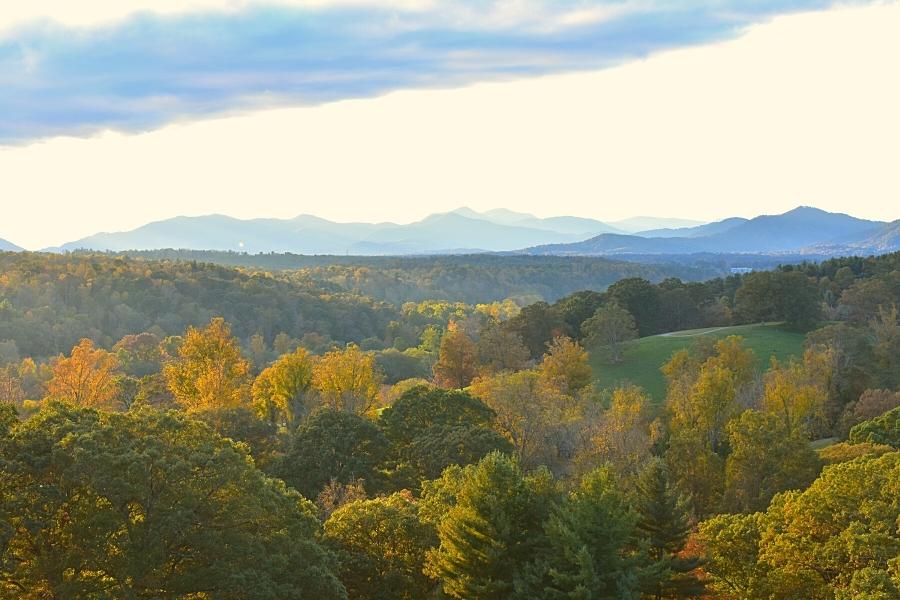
{"x":457,"y":362}
{"x":798,"y":392}
{"x":281,"y":390}
{"x":347,"y":380}
{"x":625,"y":433}
{"x":209,"y":371}
{"x":87,"y":377}
{"x":565,"y":366}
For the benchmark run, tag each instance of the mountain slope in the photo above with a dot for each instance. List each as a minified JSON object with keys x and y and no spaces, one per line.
{"x":6,"y":246}
{"x":804,"y":226}
{"x":879,"y":240}
{"x":698,"y":231}
{"x":636,"y":224}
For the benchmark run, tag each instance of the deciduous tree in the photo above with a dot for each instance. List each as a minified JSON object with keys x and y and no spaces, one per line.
{"x":209,"y":371}
{"x":609,"y":331}
{"x":87,"y":377}
{"x":346,"y":380}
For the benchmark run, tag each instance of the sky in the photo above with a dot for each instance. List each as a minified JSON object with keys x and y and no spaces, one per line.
{"x":114,"y":113}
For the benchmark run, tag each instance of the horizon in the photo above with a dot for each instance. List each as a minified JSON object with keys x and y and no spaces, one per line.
{"x":481,"y":214}
{"x":586,"y":108}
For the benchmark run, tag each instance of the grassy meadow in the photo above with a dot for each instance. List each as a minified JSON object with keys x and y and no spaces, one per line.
{"x":643,"y":360}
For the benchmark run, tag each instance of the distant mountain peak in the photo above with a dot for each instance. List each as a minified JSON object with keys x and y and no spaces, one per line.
{"x":6,"y":246}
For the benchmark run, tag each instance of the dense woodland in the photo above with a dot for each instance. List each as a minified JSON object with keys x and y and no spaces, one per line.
{"x":176,"y":429}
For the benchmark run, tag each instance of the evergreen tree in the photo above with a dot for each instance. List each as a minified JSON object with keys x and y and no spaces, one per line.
{"x":664,"y":524}
{"x":491,"y":530}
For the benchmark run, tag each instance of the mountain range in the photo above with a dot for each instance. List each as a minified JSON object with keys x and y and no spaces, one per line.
{"x":803,"y":230}
{"x":8,"y":246}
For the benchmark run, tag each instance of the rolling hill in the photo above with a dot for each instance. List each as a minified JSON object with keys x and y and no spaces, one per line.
{"x":648,"y":354}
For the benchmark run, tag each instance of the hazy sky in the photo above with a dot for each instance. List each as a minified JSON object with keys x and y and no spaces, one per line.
{"x":112,"y":116}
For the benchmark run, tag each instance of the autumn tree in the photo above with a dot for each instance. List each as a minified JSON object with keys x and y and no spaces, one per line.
{"x":703,"y":395}
{"x":501,"y":350}
{"x":281,"y":391}
{"x":609,"y":330}
{"x":346,"y":380}
{"x":209,"y":371}
{"x":624,"y":434}
{"x":528,"y":413}
{"x":140,"y":354}
{"x":10,"y":386}
{"x":766,"y":458}
{"x":457,"y":362}
{"x":797,"y":393}
{"x":565,"y":366}
{"x":87,"y":377}
{"x":835,"y":539}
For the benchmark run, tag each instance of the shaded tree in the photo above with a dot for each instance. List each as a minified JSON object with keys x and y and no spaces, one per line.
{"x":380,"y":545}
{"x":335,"y":445}
{"x":609,"y":331}
{"x":148,"y":504}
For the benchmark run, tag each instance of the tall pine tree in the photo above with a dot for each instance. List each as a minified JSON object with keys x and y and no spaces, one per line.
{"x":664,"y":524}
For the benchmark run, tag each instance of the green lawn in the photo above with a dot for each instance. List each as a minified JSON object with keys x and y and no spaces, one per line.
{"x":642,"y":362}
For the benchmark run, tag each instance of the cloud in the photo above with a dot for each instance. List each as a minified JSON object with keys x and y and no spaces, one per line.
{"x":136,"y":65}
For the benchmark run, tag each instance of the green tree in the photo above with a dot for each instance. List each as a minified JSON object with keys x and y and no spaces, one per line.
{"x":536,"y":325}
{"x":380,"y":545}
{"x":588,"y":553}
{"x":430,"y":429}
{"x":766,"y":458}
{"x":836,"y":539}
{"x":147,"y":504}
{"x":880,"y":430}
{"x":491,"y":529}
{"x":642,"y":301}
{"x":664,"y":525}
{"x":334,"y":445}
{"x":209,"y":371}
{"x":609,"y":331}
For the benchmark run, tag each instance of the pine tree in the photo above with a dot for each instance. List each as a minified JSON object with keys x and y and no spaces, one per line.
{"x":664,"y":524}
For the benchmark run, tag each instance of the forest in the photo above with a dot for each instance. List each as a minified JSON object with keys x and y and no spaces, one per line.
{"x":174,"y":428}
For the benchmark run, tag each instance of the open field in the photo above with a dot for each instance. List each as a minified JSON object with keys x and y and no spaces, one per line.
{"x":647,"y":355}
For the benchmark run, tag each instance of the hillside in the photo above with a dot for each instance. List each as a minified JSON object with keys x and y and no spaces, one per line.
{"x":642,"y":363}
{"x":879,"y":240}
{"x":697,"y":231}
{"x":468,"y":278}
